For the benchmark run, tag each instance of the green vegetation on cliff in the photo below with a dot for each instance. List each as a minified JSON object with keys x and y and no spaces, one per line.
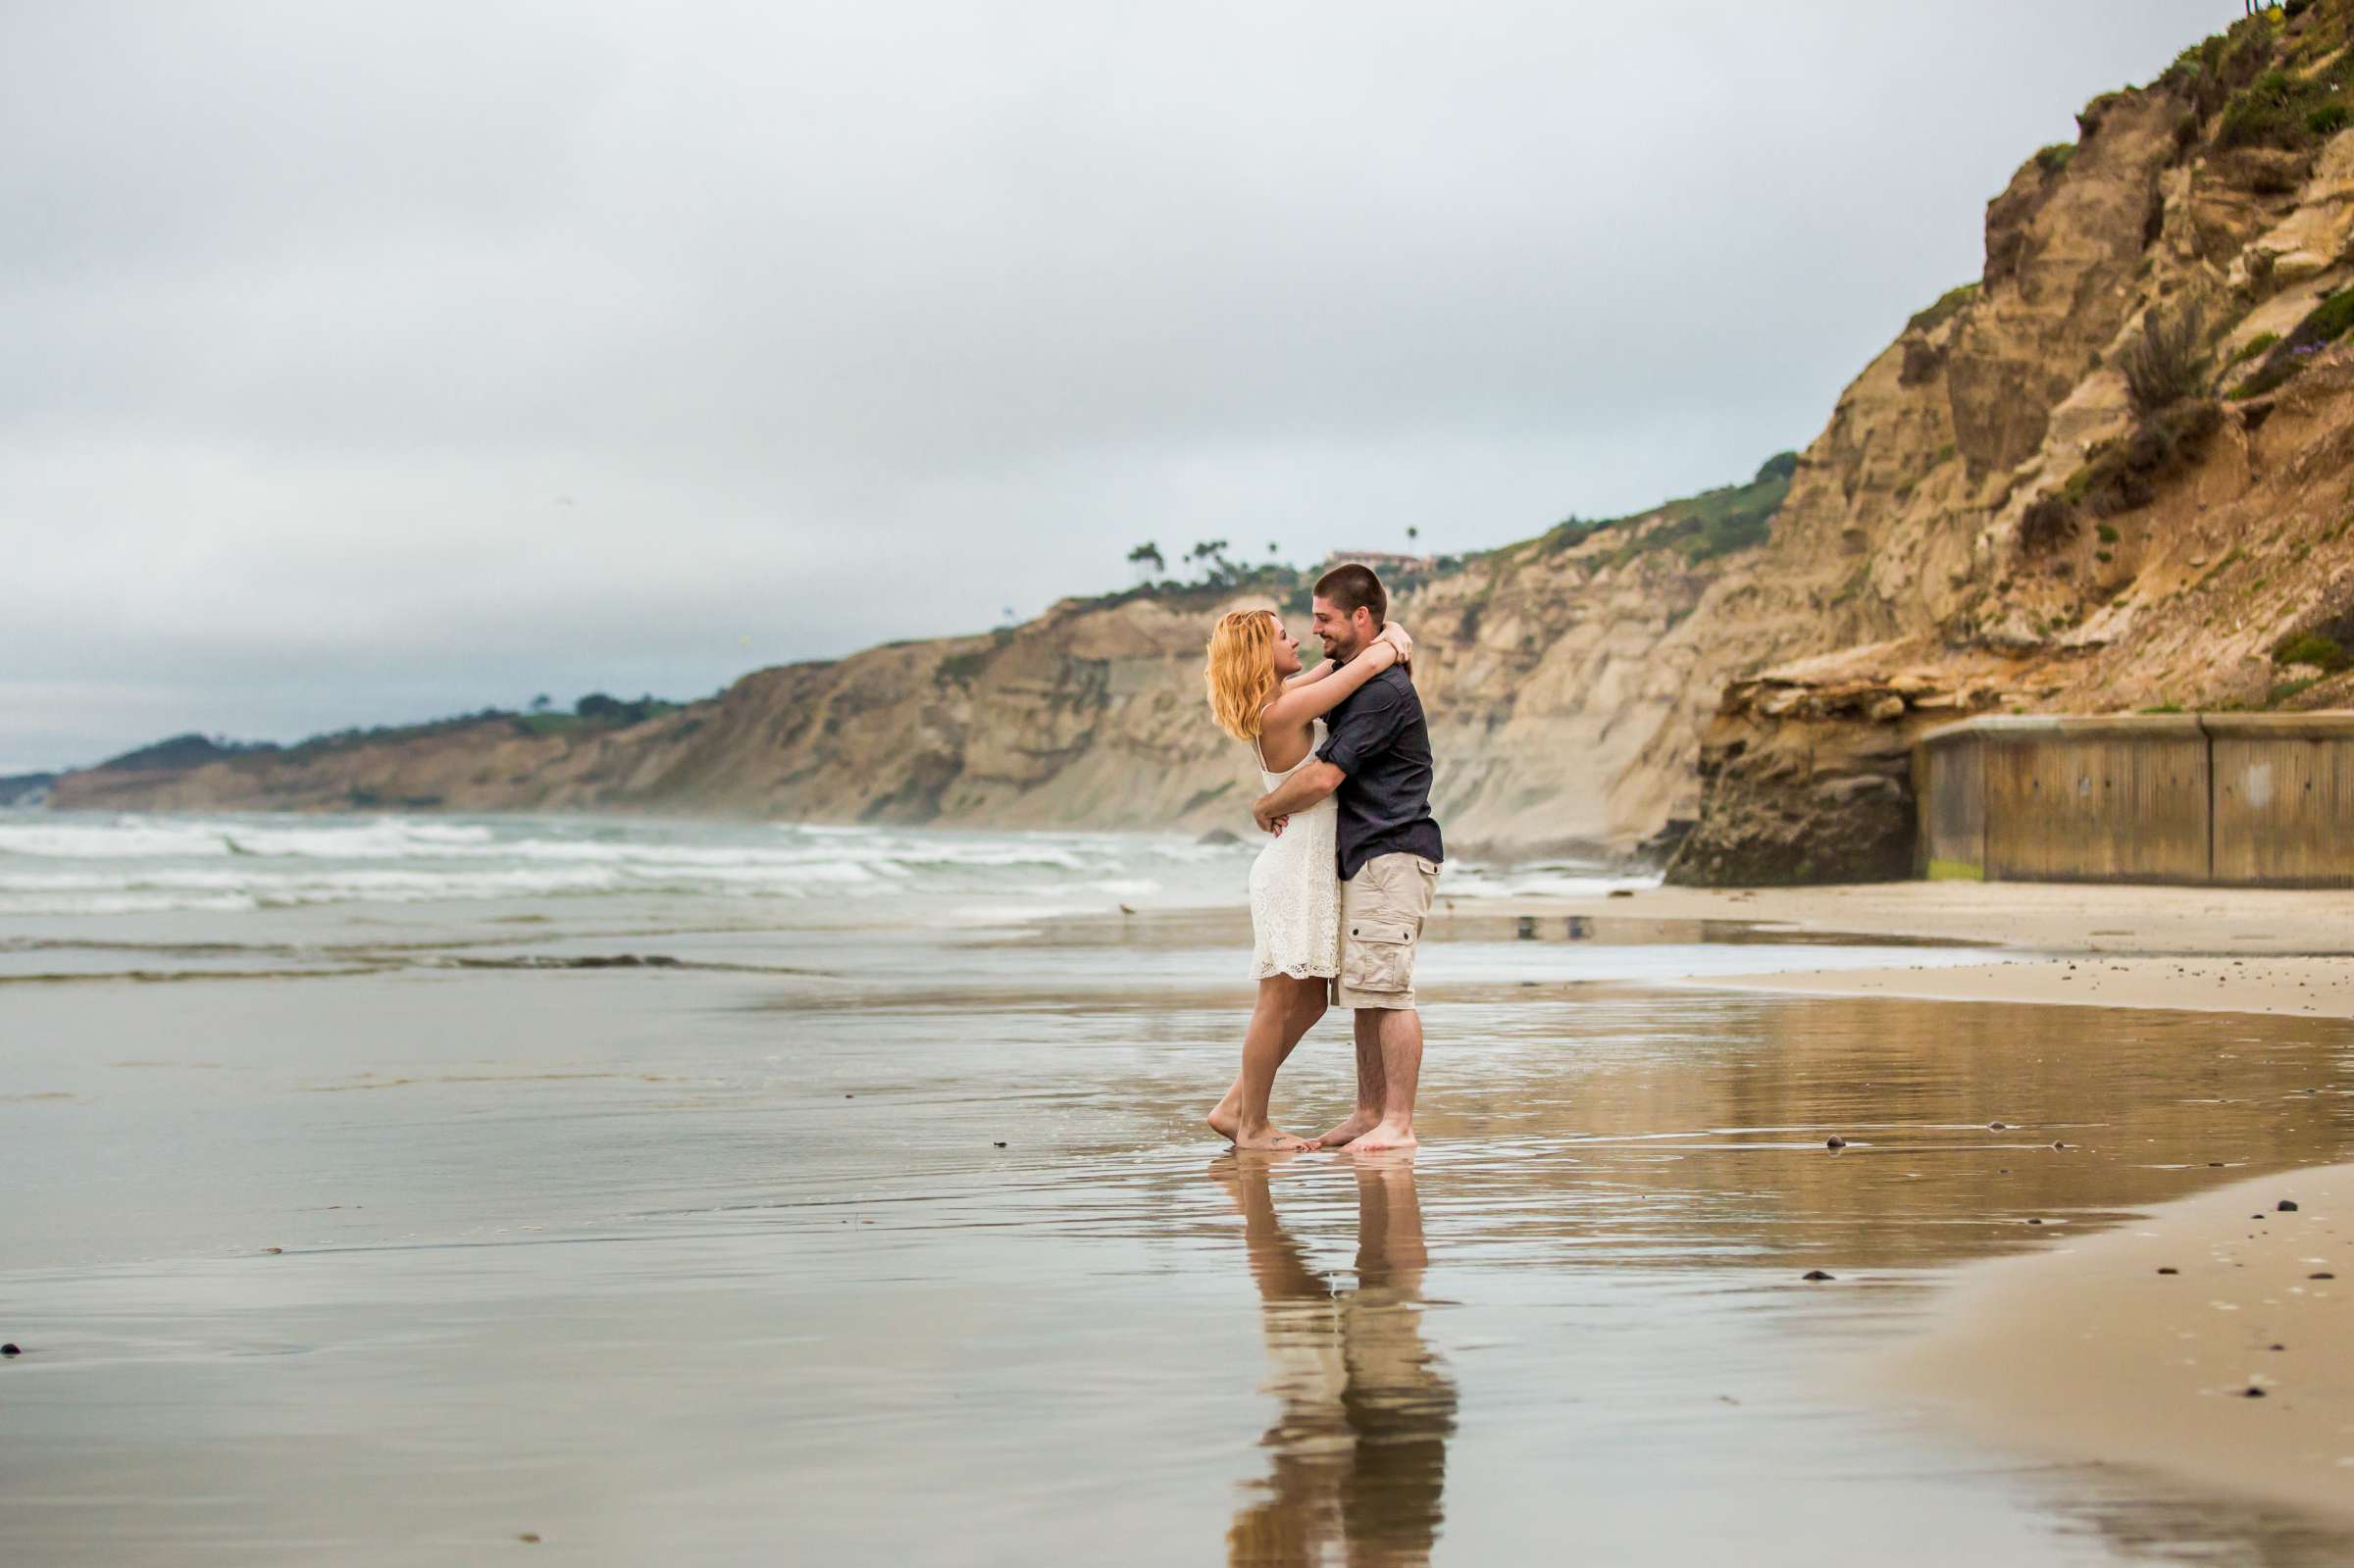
{"x":1700,"y":528}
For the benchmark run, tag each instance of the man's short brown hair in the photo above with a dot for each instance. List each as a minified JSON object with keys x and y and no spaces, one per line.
{"x":1353,"y":587}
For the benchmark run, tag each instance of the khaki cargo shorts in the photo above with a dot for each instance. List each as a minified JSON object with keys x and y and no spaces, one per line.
{"x":1382,"y":908}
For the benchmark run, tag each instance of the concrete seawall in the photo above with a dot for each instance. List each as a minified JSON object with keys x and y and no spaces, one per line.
{"x":2245,"y":800}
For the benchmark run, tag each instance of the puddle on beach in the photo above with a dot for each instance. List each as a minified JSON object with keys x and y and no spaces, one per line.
{"x":932,"y":1264}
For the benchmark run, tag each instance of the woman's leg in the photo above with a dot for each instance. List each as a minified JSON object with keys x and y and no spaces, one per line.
{"x":1285,"y":1011}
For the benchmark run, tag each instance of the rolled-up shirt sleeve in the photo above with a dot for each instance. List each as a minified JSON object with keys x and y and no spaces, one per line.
{"x":1370,"y":725}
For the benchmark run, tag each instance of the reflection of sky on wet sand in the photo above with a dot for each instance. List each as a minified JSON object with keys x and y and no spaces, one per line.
{"x":706,"y":1262}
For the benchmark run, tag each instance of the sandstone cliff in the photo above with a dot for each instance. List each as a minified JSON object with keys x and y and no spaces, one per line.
{"x":1995,"y":517}
{"x":1998,"y":517}
{"x":1542,"y":667}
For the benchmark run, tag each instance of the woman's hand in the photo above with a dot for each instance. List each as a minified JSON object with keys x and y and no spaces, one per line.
{"x":1395,"y":635}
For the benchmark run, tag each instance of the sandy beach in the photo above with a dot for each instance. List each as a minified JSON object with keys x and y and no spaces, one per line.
{"x":2214,"y":1338}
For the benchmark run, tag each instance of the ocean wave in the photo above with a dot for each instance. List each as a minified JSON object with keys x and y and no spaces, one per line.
{"x":135,"y":863}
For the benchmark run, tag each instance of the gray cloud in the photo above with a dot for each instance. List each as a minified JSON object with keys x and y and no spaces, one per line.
{"x":370,"y":363}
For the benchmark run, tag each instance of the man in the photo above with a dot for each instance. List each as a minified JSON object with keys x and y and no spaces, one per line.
{"x":1376,"y":755}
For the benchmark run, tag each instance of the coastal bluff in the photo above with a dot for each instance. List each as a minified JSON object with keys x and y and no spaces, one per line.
{"x":2113,"y":474}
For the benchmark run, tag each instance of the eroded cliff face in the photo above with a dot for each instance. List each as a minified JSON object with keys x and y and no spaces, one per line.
{"x":1543,"y":669}
{"x":1987,"y":521}
{"x":2009,"y":530}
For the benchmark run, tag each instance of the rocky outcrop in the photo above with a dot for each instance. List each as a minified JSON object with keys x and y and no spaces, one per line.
{"x":2065,"y":550}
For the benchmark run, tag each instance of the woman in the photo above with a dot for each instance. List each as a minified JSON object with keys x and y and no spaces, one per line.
{"x":1257,"y":692}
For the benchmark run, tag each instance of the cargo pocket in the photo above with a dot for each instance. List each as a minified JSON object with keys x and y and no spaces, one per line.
{"x":1378,"y":955}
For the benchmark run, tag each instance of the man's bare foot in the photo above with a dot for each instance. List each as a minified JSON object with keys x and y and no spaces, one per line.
{"x":1360,"y":1123}
{"x":1386,"y":1136}
{"x":1225,"y":1119}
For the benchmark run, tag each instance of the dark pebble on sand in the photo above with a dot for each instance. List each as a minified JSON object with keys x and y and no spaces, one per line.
{"x":2287,"y":1205}
{"x":2280,"y":1348}
{"x":1998,"y":1126}
{"x":1816,"y":1274}
{"x":1623,"y":892}
{"x":1834,"y":1142}
{"x":2253,"y":1393}
{"x":2169,"y":1271}
{"x":2034,"y":1221}
{"x":2214,"y":1165}
{"x":11,"y":1350}
{"x":2323,"y":1275}
{"x":1000,"y":1143}
{"x":531,"y":1536}
{"x":2057,"y":1144}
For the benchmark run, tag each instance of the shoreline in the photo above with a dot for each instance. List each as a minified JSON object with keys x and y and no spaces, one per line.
{"x":2140,"y":1345}
{"x":2185,"y":949}
{"x":2276,"y":987}
{"x":2112,"y":917}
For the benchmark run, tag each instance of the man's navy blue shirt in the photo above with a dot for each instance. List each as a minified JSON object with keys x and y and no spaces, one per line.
{"x":1377,"y":738}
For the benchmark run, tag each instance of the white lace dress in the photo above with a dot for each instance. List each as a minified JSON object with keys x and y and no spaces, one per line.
{"x":1296,"y":887}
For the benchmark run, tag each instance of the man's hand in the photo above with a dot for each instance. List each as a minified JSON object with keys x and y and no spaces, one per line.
{"x":1268,"y":820}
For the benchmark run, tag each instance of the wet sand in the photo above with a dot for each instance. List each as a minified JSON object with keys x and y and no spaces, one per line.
{"x":2213,"y":1340}
{"x":2090,"y":1352}
{"x":2048,"y":917}
{"x":2293,"y":987}
{"x":840,"y":1245}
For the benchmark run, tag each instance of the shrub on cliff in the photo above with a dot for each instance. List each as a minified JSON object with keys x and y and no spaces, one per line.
{"x":1948,"y":305}
{"x":2048,"y":524}
{"x":2163,"y":363}
{"x":2324,"y":324}
{"x":2324,"y":653}
{"x":2280,"y":110}
{"x":2126,"y":476}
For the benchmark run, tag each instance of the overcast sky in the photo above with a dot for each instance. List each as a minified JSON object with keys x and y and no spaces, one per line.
{"x":366,"y":363}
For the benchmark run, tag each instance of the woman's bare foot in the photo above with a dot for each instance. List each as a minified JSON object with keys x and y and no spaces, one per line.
{"x":1227,"y":1122}
{"x":1272,"y":1139}
{"x":1385,"y":1135}
{"x":1360,"y":1123}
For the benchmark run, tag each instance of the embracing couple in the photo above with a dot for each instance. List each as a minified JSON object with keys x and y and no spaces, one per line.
{"x":1339,"y":894}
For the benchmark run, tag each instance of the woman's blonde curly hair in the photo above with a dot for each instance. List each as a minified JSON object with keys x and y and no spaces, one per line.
{"x":1241,"y":671}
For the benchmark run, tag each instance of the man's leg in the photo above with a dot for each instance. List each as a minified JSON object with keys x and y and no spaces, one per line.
{"x":1398,"y":1033}
{"x":1369,"y":1084}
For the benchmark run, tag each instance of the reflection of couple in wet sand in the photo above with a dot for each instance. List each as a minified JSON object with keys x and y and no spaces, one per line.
{"x":1359,"y":1445}
{"x":1339,"y":894}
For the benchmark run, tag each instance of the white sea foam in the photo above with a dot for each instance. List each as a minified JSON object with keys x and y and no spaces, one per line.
{"x":145,"y":862}
{"x":151,"y":862}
